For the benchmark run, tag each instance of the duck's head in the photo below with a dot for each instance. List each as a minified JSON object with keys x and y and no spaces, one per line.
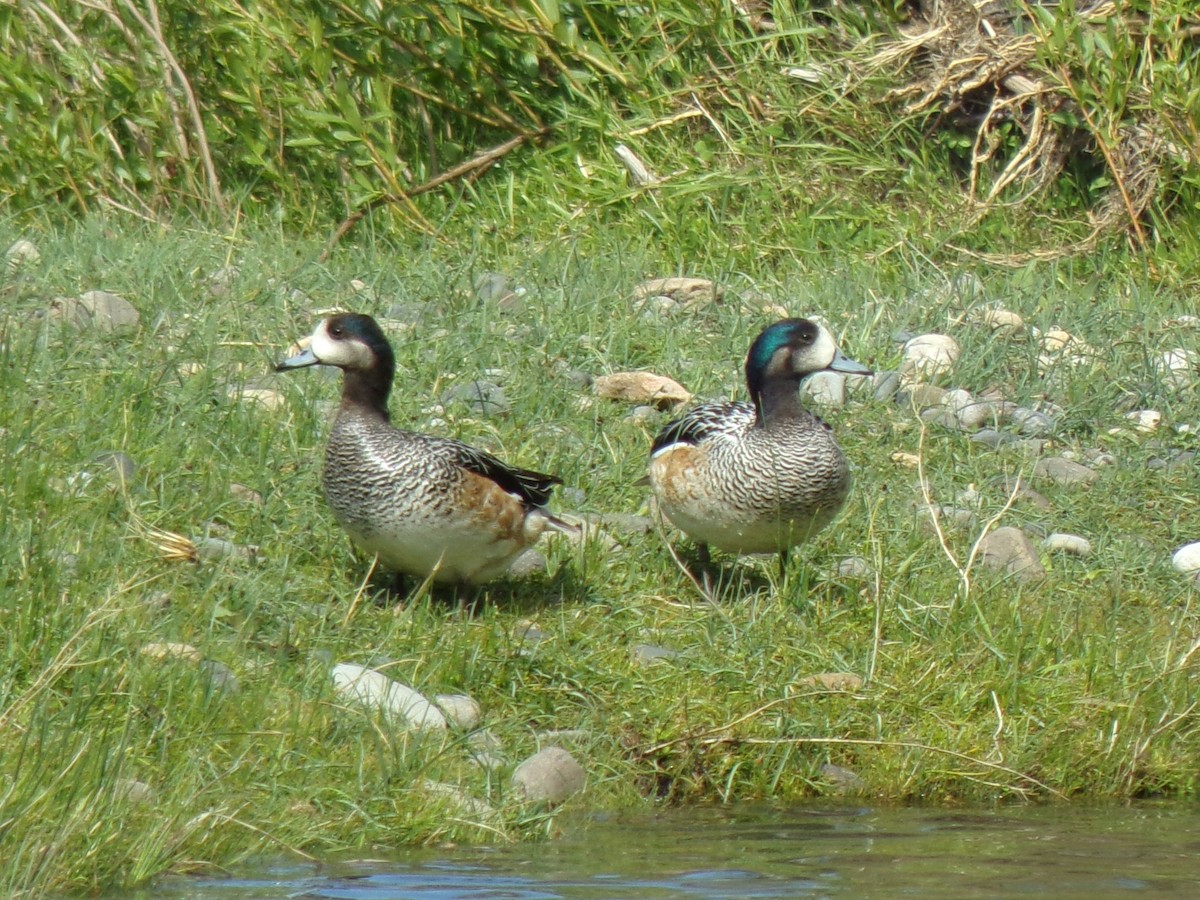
{"x":792,"y":349}
{"x":356,"y":344}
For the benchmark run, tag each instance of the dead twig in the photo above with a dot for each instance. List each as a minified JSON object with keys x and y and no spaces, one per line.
{"x":471,"y":167}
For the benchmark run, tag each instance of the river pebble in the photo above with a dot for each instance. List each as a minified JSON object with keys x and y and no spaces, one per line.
{"x":945,"y":514}
{"x":21,"y":253}
{"x":1144,"y":420}
{"x":549,"y":776}
{"x":1003,"y":322}
{"x":1187,"y":559}
{"x":855,"y":568}
{"x":134,"y":791}
{"x":466,"y":804}
{"x":483,"y":398}
{"x":1009,"y":550}
{"x":652,"y":654}
{"x":1179,"y":367}
{"x":885,"y":385}
{"x":1064,"y":472}
{"x":928,"y":356}
{"x":1032,"y":422}
{"x":460,"y":710}
{"x":843,"y":780}
{"x":530,"y":563}
{"x":992,"y":438}
{"x":825,"y":389}
{"x":1072,"y":544}
{"x":366,"y":687}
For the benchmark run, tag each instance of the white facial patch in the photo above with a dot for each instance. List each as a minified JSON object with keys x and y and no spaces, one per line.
{"x":822,"y":352}
{"x":344,"y":352}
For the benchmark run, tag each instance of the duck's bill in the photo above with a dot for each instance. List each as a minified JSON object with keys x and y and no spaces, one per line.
{"x":301,"y":360}
{"x":843,"y":363}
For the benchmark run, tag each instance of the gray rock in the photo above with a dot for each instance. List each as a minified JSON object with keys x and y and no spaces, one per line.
{"x":942,"y":418}
{"x":1024,"y":493}
{"x":825,"y":389}
{"x":21,"y":253}
{"x":549,"y":776}
{"x":208,"y":547}
{"x":483,"y":397}
{"x":643,"y":415}
{"x":107,"y":312}
{"x":843,"y":781}
{"x":220,"y":677}
{"x":886,"y":385}
{"x":1009,"y":550}
{"x":992,"y":438}
{"x":923,"y":395}
{"x":221,"y":282}
{"x":530,"y":636}
{"x":1094,"y":456}
{"x":460,"y":710}
{"x":855,"y":568}
{"x":1031,"y":422}
{"x":650,"y":654}
{"x":463,"y":802}
{"x":979,"y":413}
{"x":625,"y":523}
{"x":948,"y":516}
{"x":366,"y":687}
{"x":134,"y":791}
{"x":120,"y":463}
{"x":573,"y":496}
{"x":528,"y":564}
{"x":1064,"y":472}
{"x":491,"y":287}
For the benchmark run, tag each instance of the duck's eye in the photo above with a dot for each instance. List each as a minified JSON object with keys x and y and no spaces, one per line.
{"x":336,"y":330}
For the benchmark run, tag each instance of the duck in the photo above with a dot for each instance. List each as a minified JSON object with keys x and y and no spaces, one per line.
{"x":762,"y":476}
{"x":426,"y":506}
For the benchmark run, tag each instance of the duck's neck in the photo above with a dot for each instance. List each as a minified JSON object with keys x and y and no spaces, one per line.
{"x":777,"y":400}
{"x":367,"y":391}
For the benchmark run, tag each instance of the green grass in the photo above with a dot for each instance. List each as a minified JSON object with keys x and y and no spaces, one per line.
{"x":1082,"y":686}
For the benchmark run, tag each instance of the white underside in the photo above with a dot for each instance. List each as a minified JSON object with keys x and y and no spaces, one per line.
{"x":447,"y":551}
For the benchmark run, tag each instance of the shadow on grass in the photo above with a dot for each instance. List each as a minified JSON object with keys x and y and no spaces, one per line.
{"x":526,"y":595}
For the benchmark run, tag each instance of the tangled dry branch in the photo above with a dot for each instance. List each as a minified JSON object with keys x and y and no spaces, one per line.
{"x":981,"y":65}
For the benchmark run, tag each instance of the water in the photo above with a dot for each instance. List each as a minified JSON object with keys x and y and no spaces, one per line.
{"x":1147,"y":850}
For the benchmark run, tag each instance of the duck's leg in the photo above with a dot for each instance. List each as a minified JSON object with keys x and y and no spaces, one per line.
{"x":705,"y":560}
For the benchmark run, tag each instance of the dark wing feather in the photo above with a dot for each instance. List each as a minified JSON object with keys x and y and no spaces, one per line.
{"x":532,"y":487}
{"x":705,"y":421}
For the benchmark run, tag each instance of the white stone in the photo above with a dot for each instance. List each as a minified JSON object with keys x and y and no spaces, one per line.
{"x":825,"y":388}
{"x":370,"y":688}
{"x":1062,"y":348}
{"x":1059,"y":542}
{"x":460,"y":710}
{"x":1187,"y":558}
{"x":856,"y":568}
{"x":929,"y":355}
{"x":1145,"y":420}
{"x":20,"y":253}
{"x":1003,"y":322}
{"x":1179,"y":367}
